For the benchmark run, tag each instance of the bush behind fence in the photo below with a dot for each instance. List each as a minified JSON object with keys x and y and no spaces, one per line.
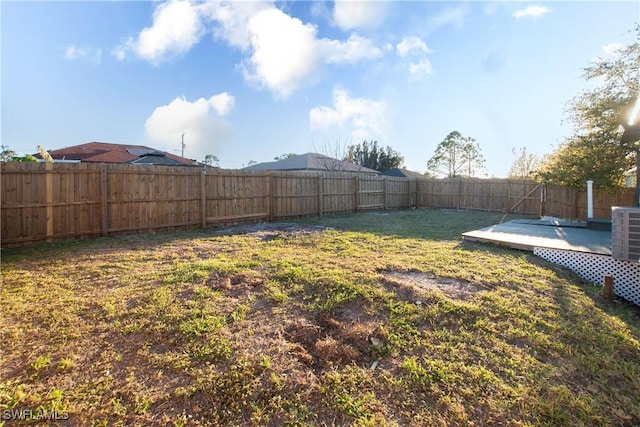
{"x":47,"y":202}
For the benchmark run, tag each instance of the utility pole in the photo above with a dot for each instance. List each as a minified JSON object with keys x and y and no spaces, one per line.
{"x":182,"y":144}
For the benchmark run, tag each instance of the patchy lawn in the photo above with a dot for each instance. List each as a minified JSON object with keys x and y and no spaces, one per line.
{"x":368,"y":319}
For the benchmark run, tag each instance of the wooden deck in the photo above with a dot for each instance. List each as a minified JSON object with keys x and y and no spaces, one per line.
{"x":529,"y":235}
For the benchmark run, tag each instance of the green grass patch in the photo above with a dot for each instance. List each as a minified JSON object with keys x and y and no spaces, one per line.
{"x":313,"y":326}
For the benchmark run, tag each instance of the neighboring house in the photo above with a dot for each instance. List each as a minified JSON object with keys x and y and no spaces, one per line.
{"x":402,"y":173}
{"x":102,"y":152}
{"x":312,"y":162}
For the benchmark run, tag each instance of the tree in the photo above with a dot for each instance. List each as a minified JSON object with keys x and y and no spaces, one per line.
{"x":25,"y":158}
{"x":369,"y":155}
{"x":579,"y":160}
{"x":525,"y":165}
{"x":6,"y":155}
{"x":333,"y":153}
{"x":211,"y":160}
{"x":284,"y":156}
{"x":594,"y":151}
{"x":455,"y":156}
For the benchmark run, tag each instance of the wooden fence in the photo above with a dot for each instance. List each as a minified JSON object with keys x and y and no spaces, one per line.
{"x":496,"y":195}
{"x":47,"y":202}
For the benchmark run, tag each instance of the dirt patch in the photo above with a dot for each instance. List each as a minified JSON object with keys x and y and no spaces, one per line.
{"x":271,"y":231}
{"x":453,"y":288}
{"x":233,"y":285}
{"x":329,"y":341}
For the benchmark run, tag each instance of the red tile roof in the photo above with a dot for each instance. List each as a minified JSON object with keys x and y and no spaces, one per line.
{"x":102,"y":152}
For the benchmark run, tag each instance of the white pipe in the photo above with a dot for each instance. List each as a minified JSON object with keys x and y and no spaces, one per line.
{"x":589,"y":199}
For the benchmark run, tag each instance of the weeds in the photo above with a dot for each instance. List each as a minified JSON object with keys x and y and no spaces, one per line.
{"x":196,"y":328}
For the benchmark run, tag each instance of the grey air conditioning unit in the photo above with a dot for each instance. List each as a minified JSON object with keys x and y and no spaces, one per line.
{"x":625,"y":233}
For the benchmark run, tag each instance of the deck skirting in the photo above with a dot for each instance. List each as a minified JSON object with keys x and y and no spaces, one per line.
{"x":593,"y":267}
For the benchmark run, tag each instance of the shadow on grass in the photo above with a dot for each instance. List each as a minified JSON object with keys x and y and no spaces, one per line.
{"x":426,"y":224}
{"x":102,"y":244}
{"x":626,"y":311}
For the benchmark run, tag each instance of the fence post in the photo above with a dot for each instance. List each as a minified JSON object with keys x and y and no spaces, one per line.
{"x":607,"y":289}
{"x":104,"y":199}
{"x":203,"y":197}
{"x":269,"y":195}
{"x":384,"y":192}
{"x":356,"y":193}
{"x":320,"y":194}
{"x":459,"y":192}
{"x":49,"y":197}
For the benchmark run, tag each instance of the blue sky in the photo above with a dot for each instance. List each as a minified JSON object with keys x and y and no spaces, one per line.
{"x":252,"y":80}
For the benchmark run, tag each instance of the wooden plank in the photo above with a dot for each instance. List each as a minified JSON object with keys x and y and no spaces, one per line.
{"x":158,"y":227}
{"x":203,"y":198}
{"x":320,"y":194}
{"x":528,"y":236}
{"x":52,"y":204}
{"x":44,"y":238}
{"x":384,"y":194}
{"x":523,"y":198}
{"x":269,"y":197}
{"x":49,"y":198}
{"x":513,"y":245}
{"x":104,"y":199}
{"x":237,"y":217}
{"x":356,"y":194}
{"x":76,"y":199}
{"x":607,"y":289}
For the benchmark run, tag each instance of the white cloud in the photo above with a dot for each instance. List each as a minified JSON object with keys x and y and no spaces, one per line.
{"x":612,"y":49}
{"x":222,"y":103}
{"x":419,"y":70}
{"x":354,"y":49}
{"x":120,"y":52}
{"x":449,"y":15}
{"x":74,"y":53}
{"x":416,"y":49}
{"x":203,"y":131}
{"x":364,"y":117}
{"x":177,"y":26}
{"x":319,"y":9}
{"x":233,"y":19}
{"x":411,"y":44}
{"x":286,"y":53}
{"x":354,"y":14}
{"x":282,"y":52}
{"x":533,"y":11}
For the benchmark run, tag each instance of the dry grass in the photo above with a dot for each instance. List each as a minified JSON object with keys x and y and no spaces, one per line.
{"x":274,"y":326}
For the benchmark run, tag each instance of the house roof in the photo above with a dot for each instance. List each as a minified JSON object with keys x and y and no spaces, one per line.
{"x":402,"y":173}
{"x":102,"y":152}
{"x":311,"y":162}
